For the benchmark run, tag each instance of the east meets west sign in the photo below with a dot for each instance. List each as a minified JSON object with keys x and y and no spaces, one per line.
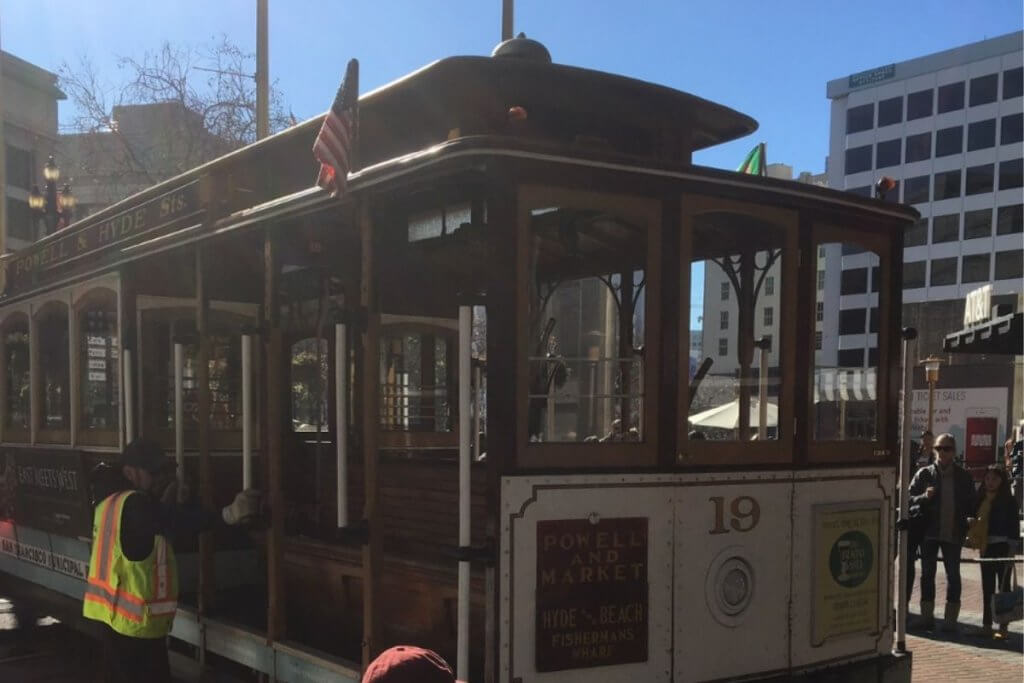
{"x":150,"y":215}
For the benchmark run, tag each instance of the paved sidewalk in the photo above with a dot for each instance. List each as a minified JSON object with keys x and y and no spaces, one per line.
{"x":969,"y":656}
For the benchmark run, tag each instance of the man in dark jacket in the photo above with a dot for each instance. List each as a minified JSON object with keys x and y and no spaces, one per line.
{"x":945,"y":492}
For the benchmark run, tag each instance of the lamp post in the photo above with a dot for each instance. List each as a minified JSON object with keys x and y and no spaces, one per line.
{"x":931,"y":366}
{"x":56,"y":209}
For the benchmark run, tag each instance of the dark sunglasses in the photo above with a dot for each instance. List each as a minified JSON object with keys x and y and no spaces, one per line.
{"x":944,"y":448}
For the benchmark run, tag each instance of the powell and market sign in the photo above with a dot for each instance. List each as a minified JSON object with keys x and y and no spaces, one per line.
{"x":128,"y":224}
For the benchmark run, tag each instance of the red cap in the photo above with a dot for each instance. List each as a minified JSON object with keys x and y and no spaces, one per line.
{"x":408,"y":664}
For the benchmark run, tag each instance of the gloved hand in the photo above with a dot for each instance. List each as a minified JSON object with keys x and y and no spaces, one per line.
{"x":244,"y":507}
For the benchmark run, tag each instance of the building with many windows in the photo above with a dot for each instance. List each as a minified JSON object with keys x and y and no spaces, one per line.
{"x":948,"y":128}
{"x":30,"y":95}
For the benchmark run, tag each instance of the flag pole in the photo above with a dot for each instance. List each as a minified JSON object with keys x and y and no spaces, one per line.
{"x":764,"y":160}
{"x":262,"y":72}
{"x":507,"y":16}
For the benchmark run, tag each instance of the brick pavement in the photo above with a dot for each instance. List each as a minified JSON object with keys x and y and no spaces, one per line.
{"x":969,"y":656}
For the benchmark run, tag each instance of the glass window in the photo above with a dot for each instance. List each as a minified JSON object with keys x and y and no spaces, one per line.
{"x":860,"y":118}
{"x":975,"y":268}
{"x":1010,"y":173}
{"x":819,"y":311}
{"x":951,"y":97}
{"x":851,"y":321}
{"x":888,"y":154}
{"x":725,"y":291}
{"x":416,"y":372}
{"x":858,"y":159}
{"x":1009,"y":219}
{"x":851,"y":249}
{"x":817,"y":340}
{"x":309,"y":384}
{"x":919,"y":104}
{"x":917,"y":234}
{"x":913,"y":274}
{"x":54,"y":372}
{"x":981,"y":135}
{"x":854,"y":281}
{"x":821,"y":280}
{"x":943,"y":271}
{"x":915,"y":190}
{"x":979,"y":179}
{"x":850,"y":358}
{"x":919,"y":147}
{"x":19,"y":167}
{"x":98,"y":367}
{"x":947,"y":185}
{"x":438,"y":222}
{"x":587,"y":303}
{"x":873,"y":357}
{"x":977,"y":224}
{"x":873,"y":321}
{"x":864,"y":191}
{"x":949,"y":141}
{"x":769,"y":316}
{"x":769,"y":285}
{"x":744,"y":249}
{"x":20,"y":219}
{"x":983,"y":89}
{"x":1009,"y":265}
{"x":1011,"y":129}
{"x":17,"y":378}
{"x":723,"y":320}
{"x":890,"y":111}
{"x":946,"y":228}
{"x":1013,"y":83}
{"x":876,"y":280}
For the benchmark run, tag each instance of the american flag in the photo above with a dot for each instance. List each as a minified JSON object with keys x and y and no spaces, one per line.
{"x":333,"y":145}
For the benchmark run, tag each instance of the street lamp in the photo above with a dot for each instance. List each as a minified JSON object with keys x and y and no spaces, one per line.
{"x":931,"y":366}
{"x":57,"y":210}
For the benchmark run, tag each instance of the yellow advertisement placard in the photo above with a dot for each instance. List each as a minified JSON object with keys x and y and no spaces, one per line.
{"x":846,"y":556}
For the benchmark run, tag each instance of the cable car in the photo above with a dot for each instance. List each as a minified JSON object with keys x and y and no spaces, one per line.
{"x":536,"y":392}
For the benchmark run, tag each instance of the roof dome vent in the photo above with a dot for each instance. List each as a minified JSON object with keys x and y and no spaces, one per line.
{"x":522,"y":47}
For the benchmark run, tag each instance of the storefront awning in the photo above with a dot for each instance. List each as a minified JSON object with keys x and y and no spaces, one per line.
{"x":844,"y":384}
{"x":1003,"y":335}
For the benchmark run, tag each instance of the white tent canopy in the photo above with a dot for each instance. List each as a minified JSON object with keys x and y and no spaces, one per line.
{"x":727,"y":416}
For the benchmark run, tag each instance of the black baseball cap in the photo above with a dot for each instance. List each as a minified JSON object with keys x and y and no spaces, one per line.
{"x":146,"y":455}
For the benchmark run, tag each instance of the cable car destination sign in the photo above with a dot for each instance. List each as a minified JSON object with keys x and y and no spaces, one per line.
{"x":144,"y":218}
{"x":591,"y":593}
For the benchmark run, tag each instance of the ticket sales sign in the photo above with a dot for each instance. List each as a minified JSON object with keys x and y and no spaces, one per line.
{"x":592,"y":593}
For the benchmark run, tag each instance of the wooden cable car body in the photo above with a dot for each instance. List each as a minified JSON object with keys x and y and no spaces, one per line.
{"x":559,"y":208}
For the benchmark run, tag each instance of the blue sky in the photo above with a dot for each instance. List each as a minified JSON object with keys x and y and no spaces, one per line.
{"x":770,"y":59}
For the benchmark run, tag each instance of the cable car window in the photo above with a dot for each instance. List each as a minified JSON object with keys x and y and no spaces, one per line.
{"x":17,"y":378}
{"x":417,"y":380}
{"x":54,"y":379}
{"x":98,"y":368}
{"x":586,"y":333}
{"x":845,"y":386}
{"x":309,"y":380}
{"x":736,"y":395}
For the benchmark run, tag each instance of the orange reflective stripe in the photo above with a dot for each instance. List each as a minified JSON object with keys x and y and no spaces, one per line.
{"x":105,"y":540}
{"x":116,"y":593}
{"x":100,"y":600}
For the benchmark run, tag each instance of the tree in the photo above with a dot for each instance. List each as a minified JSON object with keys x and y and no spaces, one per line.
{"x":171,"y":110}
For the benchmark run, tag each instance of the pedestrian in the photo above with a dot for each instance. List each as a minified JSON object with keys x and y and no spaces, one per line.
{"x":408,"y":664}
{"x":1015,"y":466}
{"x":925,"y":453}
{"x":923,"y":456}
{"x":994,"y":532}
{"x":945,"y":492}
{"x":133,"y":575}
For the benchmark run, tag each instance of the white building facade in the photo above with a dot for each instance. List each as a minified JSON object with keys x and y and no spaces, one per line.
{"x":948,"y":128}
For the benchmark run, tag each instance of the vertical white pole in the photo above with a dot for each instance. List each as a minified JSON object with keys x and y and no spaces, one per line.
{"x":129,"y":399}
{"x":465,"y":325}
{"x":477,"y":387}
{"x":762,"y":398}
{"x":179,"y":411}
{"x":909,"y":334}
{"x":341,"y":420}
{"x":246,"y":411}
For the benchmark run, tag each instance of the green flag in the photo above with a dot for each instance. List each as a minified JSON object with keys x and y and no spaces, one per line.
{"x":755,"y":162}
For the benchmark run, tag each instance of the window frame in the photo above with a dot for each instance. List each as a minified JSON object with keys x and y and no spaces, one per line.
{"x":42,"y":435}
{"x":92,"y":437}
{"x":833,"y":451}
{"x":699,"y":452}
{"x":15,"y":435}
{"x":585,"y":456}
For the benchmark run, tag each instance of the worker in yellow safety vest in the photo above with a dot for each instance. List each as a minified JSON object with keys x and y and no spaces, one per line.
{"x":133,"y":575}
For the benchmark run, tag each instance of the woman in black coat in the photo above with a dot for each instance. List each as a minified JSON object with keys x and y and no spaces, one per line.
{"x":995,"y":530}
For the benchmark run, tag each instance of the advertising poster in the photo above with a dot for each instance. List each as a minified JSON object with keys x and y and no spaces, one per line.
{"x":846,"y":557}
{"x":956,"y":412}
